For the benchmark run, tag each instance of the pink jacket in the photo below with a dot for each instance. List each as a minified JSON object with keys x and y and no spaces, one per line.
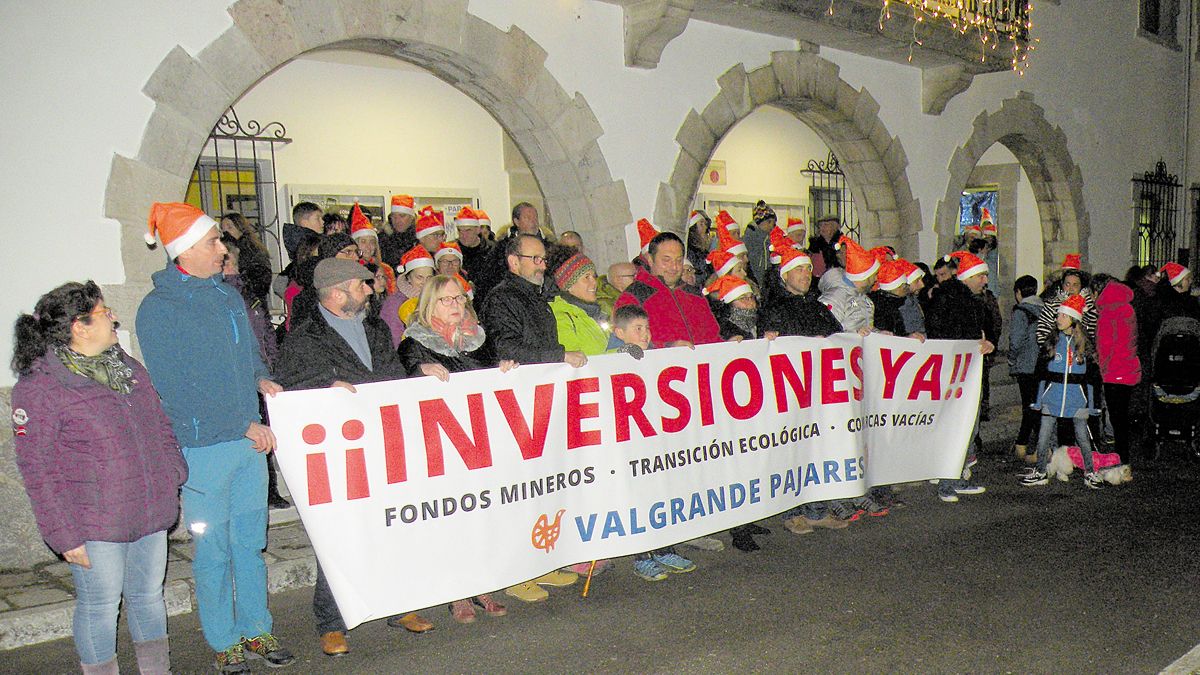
{"x":1116,"y":336}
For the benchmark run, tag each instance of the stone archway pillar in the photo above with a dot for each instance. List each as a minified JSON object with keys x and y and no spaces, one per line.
{"x":503,"y":71}
{"x":1042,"y":150}
{"x":846,"y":119}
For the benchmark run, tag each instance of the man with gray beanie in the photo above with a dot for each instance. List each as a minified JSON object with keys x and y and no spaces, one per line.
{"x":340,"y":345}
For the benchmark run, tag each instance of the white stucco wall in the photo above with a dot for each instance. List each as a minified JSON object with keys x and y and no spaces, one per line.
{"x":764,"y":155}
{"x":1028,"y":225}
{"x":75,"y":72}
{"x":366,"y":119}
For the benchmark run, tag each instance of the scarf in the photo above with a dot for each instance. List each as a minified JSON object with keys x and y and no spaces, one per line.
{"x":107,"y":368}
{"x":465,"y":337}
{"x":746,"y":319}
{"x":592,"y":309}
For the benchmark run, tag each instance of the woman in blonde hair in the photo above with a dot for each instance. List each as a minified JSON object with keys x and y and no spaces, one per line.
{"x":445,"y":337}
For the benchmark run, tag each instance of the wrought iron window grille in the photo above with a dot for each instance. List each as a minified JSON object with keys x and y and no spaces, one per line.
{"x":829,"y":194}
{"x":1156,"y":236}
{"x":236,"y":172}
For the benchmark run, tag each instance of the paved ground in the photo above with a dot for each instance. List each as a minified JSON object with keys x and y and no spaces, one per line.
{"x":1057,"y":579}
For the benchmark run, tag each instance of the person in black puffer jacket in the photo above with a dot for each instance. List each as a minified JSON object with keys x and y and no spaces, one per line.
{"x":520,"y":323}
{"x":955,"y":313}
{"x":797,"y":311}
{"x":891,"y":296}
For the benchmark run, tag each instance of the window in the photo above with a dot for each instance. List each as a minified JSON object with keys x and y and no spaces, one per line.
{"x":972,"y":203}
{"x":1155,"y":217}
{"x":1157,"y":21}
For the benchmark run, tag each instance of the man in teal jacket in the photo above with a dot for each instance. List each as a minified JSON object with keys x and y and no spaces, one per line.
{"x":204,"y":361}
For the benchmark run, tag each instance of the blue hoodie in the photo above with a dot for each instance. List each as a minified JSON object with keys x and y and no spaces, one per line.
{"x":202,"y":356}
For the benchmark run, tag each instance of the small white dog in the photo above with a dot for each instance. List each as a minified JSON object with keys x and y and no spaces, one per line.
{"x":1066,"y":459}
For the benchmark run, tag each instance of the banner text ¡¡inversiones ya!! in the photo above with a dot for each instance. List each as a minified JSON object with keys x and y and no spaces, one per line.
{"x":784,"y":382}
{"x":553,"y":465}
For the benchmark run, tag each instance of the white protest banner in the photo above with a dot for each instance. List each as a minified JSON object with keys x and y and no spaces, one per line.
{"x":418,"y":492}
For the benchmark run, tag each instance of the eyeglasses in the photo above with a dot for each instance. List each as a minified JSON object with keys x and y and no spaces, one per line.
{"x":451,"y":300}
{"x":106,"y":311}
{"x":537,"y":259}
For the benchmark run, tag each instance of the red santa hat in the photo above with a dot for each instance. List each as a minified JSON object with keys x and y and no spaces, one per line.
{"x":913,"y":273}
{"x":416,"y":257}
{"x":728,"y":288}
{"x":430,"y":222}
{"x":860,"y":264}
{"x":467,"y":217}
{"x":360,"y":225}
{"x":727,"y":242}
{"x":969,"y":264}
{"x":793,"y":224}
{"x":696,"y":217}
{"x":1073,"y":307}
{"x":725,"y":221}
{"x":722,"y":262}
{"x":792,"y":257}
{"x":1174,"y":272}
{"x":779,"y":241}
{"x":986,"y":222}
{"x":403,"y":204}
{"x":1072,"y":261}
{"x":179,"y":226}
{"x":466,"y":286}
{"x":646,"y":232}
{"x":892,"y":274}
{"x":447,"y":249}
{"x":483,"y":218}
{"x":883,"y":253}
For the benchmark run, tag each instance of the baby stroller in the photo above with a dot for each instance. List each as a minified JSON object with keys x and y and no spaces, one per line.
{"x":1175,"y":385}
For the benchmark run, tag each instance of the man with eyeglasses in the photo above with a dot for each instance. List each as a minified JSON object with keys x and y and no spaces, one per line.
{"x":340,"y":345}
{"x":521,"y":327}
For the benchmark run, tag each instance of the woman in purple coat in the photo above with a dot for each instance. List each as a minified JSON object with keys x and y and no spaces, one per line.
{"x":101,"y":467}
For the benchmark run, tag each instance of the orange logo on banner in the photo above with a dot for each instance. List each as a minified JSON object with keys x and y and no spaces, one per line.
{"x":545,"y":534}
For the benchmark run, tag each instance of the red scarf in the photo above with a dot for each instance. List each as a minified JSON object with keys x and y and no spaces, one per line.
{"x":453,"y":334}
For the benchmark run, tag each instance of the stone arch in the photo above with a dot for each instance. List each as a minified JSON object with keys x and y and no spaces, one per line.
{"x":846,"y":119}
{"x":1021,"y":126}
{"x":502,"y":71}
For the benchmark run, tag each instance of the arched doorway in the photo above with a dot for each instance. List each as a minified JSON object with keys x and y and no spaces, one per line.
{"x":846,"y":121}
{"x":1056,"y":182}
{"x":502,"y":71}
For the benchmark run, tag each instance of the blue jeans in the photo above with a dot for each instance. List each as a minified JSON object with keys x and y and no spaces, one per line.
{"x":1049,"y":432}
{"x":134,"y":570}
{"x":225,"y":508}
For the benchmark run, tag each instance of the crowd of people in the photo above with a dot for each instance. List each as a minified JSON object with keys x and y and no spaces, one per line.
{"x":110,"y":449}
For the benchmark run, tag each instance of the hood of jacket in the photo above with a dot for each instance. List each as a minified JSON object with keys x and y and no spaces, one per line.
{"x":1114,"y":293}
{"x":834,"y":278}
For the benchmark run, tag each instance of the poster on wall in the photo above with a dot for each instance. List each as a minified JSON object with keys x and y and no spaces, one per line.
{"x":714,"y":173}
{"x":972,"y":204}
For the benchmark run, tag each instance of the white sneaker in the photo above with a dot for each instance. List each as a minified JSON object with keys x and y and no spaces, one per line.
{"x":1093,"y":480}
{"x":1036,"y":478}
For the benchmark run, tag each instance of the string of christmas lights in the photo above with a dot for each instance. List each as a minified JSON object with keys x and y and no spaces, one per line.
{"x":967,"y":15}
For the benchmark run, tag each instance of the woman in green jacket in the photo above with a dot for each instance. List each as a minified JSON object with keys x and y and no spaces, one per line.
{"x":582,"y":325}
